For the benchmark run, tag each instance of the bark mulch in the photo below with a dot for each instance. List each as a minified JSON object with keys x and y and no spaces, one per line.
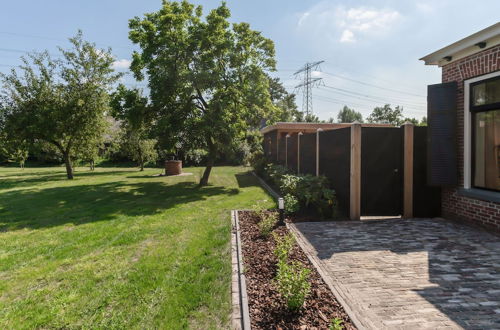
{"x":267,"y":309}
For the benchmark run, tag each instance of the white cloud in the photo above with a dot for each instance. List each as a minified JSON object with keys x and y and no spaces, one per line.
{"x":302,"y":18}
{"x":347,"y":36}
{"x":347,"y":24}
{"x":316,"y":74}
{"x":121,"y":64}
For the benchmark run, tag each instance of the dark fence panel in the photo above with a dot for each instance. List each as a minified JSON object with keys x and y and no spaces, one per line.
{"x":381,"y":171}
{"x":269,"y":145}
{"x":335,"y":163}
{"x":281,"y":149}
{"x":308,"y":154}
{"x":292,"y":153}
{"x":426,"y":199}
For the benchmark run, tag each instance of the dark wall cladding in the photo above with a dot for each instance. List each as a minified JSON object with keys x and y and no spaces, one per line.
{"x":335,"y":163}
{"x":270,"y":145}
{"x":308,"y":154}
{"x":442,"y":153}
{"x":381,"y":171}
{"x":292,"y":153}
{"x":426,"y":199}
{"x":281,"y":149}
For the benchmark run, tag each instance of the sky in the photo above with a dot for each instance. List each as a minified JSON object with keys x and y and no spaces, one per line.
{"x":370,"y":48}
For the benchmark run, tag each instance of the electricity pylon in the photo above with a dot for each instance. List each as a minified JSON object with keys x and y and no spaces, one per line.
{"x":307,"y":84}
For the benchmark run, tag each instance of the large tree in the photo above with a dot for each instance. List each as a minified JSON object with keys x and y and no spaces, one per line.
{"x":207,"y":77}
{"x":387,"y":115}
{"x":62,"y":102}
{"x":284,"y":101}
{"x":348,"y":115}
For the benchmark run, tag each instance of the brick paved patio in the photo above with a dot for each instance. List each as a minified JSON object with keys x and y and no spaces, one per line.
{"x":409,"y":274}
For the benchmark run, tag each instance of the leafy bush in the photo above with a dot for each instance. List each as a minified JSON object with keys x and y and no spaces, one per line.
{"x":303,"y":190}
{"x":258,"y":162}
{"x":292,"y":204}
{"x":336,"y":324}
{"x":275,"y":173}
{"x":266,"y":223}
{"x":289,"y":184}
{"x":314,"y":191}
{"x":284,"y":245}
{"x":292,"y":283}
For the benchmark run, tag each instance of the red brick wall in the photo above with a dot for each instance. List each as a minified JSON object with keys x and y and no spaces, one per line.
{"x":454,"y":205}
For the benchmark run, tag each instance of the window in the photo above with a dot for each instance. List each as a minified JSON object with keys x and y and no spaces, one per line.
{"x":485,"y":108}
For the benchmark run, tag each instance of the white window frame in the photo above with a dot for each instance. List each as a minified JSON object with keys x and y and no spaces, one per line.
{"x":468,"y":128}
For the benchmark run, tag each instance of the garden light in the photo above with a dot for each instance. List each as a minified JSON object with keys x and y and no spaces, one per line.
{"x":281,"y":208}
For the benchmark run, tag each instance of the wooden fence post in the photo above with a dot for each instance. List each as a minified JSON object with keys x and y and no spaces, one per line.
{"x":355,"y":175}
{"x":317,"y":150}
{"x":286,"y":150}
{"x":408,"y":171}
{"x":298,"y":152}
{"x":277,"y":146}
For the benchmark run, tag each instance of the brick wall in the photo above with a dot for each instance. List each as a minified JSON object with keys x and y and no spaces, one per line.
{"x":454,"y":205}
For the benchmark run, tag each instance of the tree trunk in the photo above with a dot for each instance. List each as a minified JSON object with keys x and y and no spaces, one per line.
{"x":69,"y":168}
{"x":142,"y":166}
{"x":210,"y":163}
{"x":208,"y":169}
{"x":92,"y":167}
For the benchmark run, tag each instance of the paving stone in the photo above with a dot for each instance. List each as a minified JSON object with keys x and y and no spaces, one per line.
{"x":410,"y":274}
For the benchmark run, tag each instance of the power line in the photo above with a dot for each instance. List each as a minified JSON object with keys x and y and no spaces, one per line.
{"x":365,"y":107}
{"x":371,"y":85}
{"x":55,"y":39}
{"x":374,"y":98}
{"x":307,"y":84}
{"x":377,"y":78}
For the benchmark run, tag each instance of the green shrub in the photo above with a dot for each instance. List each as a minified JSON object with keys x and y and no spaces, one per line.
{"x":292,"y":283}
{"x":258,"y":162}
{"x":336,"y":324}
{"x":283,"y":247}
{"x":303,"y":190}
{"x":289,"y":184}
{"x":292,"y":204}
{"x":266,"y":224}
{"x":313,"y":190}
{"x":275,"y":173}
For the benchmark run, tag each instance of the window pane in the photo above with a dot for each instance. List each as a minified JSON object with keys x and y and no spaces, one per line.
{"x":487,"y":150}
{"x":486,"y":93}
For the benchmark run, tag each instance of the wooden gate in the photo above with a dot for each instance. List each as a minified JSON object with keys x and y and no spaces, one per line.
{"x":381,"y":171}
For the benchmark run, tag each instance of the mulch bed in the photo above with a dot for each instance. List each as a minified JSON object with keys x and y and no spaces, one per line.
{"x":267,"y":309}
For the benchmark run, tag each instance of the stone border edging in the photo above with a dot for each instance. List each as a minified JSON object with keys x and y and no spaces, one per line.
{"x":240,"y":315}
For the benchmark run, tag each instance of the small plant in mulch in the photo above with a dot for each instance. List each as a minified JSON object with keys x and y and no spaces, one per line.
{"x":292,"y":283}
{"x":267,"y":223}
{"x":283,"y":247}
{"x":291,"y":277}
{"x":336,"y":324}
{"x":267,"y":219}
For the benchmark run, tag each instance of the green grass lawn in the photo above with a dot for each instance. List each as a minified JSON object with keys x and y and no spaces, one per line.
{"x":118,"y":248}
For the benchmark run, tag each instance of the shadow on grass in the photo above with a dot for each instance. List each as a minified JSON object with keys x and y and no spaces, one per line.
{"x":8,"y":181}
{"x":246,"y":180}
{"x":99,"y":202}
